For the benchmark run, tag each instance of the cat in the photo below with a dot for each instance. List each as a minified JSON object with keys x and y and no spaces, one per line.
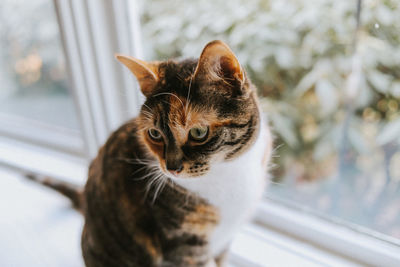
{"x":172,"y":186}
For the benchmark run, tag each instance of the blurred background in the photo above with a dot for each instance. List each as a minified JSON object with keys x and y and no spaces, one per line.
{"x":331,"y":93}
{"x":330,"y":88}
{"x":32,"y":64}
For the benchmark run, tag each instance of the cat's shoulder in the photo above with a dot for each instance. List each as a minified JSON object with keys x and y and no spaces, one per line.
{"x":122,"y":142}
{"x":126,"y":136}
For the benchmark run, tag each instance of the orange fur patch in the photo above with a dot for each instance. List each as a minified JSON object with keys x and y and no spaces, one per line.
{"x":202,"y":220}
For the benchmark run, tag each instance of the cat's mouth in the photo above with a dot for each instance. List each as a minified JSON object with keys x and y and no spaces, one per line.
{"x":177,"y":176}
{"x":183,"y":175}
{"x":173,"y":174}
{"x":180,"y":175}
{"x":187,"y":171}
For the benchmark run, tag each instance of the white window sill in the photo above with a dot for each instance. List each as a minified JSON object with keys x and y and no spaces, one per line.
{"x":325,"y":241}
{"x":258,"y":246}
{"x":26,"y":157}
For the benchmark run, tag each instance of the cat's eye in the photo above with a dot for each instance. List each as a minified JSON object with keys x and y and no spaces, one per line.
{"x":198,"y":134}
{"x":155,"y":134}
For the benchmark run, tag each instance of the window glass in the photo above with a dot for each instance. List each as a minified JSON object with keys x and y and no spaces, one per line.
{"x":331,"y":93}
{"x":32,"y":64}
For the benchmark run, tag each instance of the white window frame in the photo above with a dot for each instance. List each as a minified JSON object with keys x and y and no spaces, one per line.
{"x":106,"y":95}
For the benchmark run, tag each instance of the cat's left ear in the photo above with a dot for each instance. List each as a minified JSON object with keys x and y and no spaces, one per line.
{"x":145,"y":72}
{"x":218,"y":62}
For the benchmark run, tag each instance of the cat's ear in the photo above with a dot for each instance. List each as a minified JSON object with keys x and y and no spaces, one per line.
{"x":218,"y":62}
{"x":145,"y":72}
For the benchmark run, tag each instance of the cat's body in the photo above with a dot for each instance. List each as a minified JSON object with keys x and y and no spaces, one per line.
{"x":172,"y":186}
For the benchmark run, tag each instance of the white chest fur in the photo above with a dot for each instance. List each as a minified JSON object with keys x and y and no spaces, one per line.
{"x":234,"y":187}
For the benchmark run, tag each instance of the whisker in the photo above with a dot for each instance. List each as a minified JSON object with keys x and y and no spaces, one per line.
{"x":161,"y":182}
{"x":154,"y":180}
{"x":188,"y":96}
{"x":144,"y":104}
{"x":149,"y":174}
{"x":167,"y":93}
{"x":137,"y":160}
{"x":277,"y":183}
{"x":276,"y":148}
{"x":147,"y":114}
{"x":138,"y":170}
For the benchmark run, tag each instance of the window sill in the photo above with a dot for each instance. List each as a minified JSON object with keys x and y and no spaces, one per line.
{"x":43,"y":134}
{"x":322,"y":241}
{"x":256,"y":245}
{"x":26,"y":157}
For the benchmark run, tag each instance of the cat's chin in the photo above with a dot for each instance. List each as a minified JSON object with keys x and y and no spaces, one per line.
{"x":172,"y":175}
{"x":178,"y":176}
{"x":181,"y":176}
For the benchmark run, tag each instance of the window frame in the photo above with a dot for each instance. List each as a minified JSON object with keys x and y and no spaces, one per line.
{"x":92,"y":32}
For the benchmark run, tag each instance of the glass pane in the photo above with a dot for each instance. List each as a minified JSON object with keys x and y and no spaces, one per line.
{"x":32,"y":65}
{"x":331,"y":94}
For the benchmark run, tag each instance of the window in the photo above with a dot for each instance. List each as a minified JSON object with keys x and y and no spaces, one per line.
{"x":63,"y":89}
{"x":33,"y":65}
{"x":329,"y":79}
{"x":35,"y":93}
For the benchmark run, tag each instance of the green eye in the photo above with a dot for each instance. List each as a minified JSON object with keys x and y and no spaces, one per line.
{"x":198,"y":133}
{"x":155,"y":134}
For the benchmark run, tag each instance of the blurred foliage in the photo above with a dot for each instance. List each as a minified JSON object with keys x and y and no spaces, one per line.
{"x":334,"y":109}
{"x":299,"y":54}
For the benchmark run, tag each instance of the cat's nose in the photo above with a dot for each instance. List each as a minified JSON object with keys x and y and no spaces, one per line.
{"x":173,"y":159}
{"x":174,"y":167}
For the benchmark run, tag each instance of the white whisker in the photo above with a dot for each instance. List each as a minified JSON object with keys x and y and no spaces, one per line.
{"x":166,"y":93}
{"x":160,"y":186}
{"x":153,"y":181}
{"x":188,"y":96}
{"x":144,"y":104}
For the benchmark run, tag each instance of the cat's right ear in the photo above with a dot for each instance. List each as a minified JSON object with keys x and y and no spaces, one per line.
{"x":145,"y":73}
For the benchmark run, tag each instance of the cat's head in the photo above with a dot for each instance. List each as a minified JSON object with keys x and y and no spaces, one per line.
{"x":197,"y":113}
